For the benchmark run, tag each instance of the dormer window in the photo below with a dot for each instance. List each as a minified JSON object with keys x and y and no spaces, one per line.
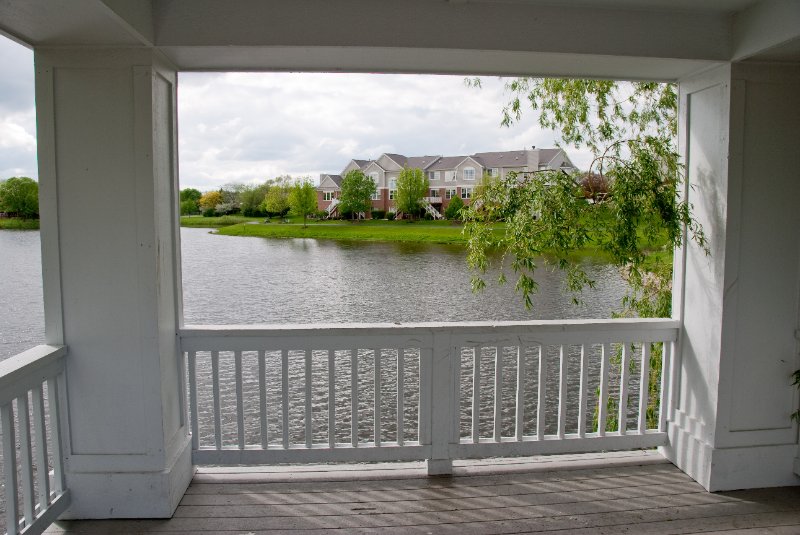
{"x":493,"y":172}
{"x":469,"y":173}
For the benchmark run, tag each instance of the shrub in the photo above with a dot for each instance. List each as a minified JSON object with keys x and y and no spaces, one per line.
{"x":453,"y":210}
{"x":378,"y":214}
{"x":390,"y":216}
{"x":209,"y":212}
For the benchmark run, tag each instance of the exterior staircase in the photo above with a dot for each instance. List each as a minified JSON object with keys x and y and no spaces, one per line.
{"x":431,"y":210}
{"x":332,"y":208}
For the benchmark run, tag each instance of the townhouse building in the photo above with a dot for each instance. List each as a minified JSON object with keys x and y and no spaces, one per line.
{"x":449,"y":176}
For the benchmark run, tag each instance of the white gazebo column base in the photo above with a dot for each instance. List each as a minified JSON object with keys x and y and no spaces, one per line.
{"x":730,"y":424}
{"x":110,"y":252}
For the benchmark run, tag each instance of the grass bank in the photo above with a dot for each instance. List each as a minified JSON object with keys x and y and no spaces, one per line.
{"x":19,"y":224}
{"x":362,"y":231}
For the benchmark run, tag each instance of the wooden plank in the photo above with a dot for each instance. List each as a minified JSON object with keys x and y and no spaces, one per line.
{"x":377,"y":407}
{"x":426,"y":395}
{"x":367,"y":452}
{"x":562,"y":392}
{"x":476,"y":393}
{"x":308,"y":389}
{"x":262,"y":398}
{"x":40,"y":436}
{"x":237,"y":360}
{"x":331,"y":399}
{"x":54,"y":401}
{"x":622,"y":416}
{"x":10,"y":467}
{"x":215,"y":394}
{"x":519,"y":424}
{"x":541,"y":400}
{"x":26,"y":459}
{"x":401,"y":393}
{"x":668,"y":386}
{"x":644,"y":387}
{"x":583,"y":392}
{"x":498,"y":393}
{"x":285,"y":397}
{"x":551,"y":444}
{"x":29,"y":368}
{"x":602,"y":410}
{"x":192,"y":356}
{"x":354,"y":397}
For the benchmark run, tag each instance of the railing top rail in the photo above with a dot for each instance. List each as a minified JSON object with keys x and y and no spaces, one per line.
{"x":539,"y":326}
{"x":25,"y":369}
{"x":343,"y":336}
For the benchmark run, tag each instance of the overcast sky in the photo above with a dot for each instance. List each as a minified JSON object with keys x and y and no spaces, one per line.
{"x":243,"y":127}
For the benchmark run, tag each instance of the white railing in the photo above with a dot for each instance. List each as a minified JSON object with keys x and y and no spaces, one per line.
{"x":31,"y":390}
{"x":426,"y":391}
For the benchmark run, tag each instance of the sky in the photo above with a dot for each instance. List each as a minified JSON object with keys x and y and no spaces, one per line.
{"x":248,"y":127}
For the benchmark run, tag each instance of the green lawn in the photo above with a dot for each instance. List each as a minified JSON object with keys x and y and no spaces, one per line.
{"x":19,"y":224}
{"x":429,"y":232}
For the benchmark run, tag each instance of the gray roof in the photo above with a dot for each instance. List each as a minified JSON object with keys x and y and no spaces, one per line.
{"x":421,"y":162}
{"x":399,"y":159}
{"x":361,"y":164}
{"x":337,"y":179}
{"x":515,"y":158}
{"x":546,"y":155}
{"x":447,"y":162}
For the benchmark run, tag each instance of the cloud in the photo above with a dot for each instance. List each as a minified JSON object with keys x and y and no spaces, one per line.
{"x":248,"y":127}
{"x":17,"y":115}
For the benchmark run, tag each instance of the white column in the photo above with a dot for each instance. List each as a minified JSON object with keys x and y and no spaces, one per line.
{"x":730,"y":424}
{"x":110,"y":252}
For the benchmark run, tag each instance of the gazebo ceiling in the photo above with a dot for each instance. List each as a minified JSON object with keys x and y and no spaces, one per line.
{"x":660,"y":39}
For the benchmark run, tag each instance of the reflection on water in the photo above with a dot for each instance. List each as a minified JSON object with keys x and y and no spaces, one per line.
{"x":230,"y":280}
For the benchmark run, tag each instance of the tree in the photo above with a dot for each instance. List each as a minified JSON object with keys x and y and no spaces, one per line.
{"x":412,"y":187}
{"x":190,"y":194}
{"x":276,"y":201}
{"x":357,"y":192}
{"x":189,"y":201}
{"x":303,"y":198}
{"x":631,"y":130}
{"x":251,"y":199}
{"x":19,"y":196}
{"x":188,"y":207}
{"x":453,"y":210}
{"x":210,"y":200}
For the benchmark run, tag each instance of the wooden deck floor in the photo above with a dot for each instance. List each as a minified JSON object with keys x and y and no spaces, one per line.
{"x":630,"y":492}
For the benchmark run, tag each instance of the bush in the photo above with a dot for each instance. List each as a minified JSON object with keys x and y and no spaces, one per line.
{"x":427,"y":217}
{"x":390,"y":216}
{"x":453,"y":210}
{"x":188,"y":207}
{"x":378,"y":214}
{"x":209,"y":212}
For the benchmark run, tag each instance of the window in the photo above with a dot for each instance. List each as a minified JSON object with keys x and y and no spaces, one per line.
{"x":392,"y":193}
{"x":466,"y":193}
{"x":327,"y":195}
{"x":393,"y":183}
{"x":469,"y":173}
{"x":542,"y":166}
{"x":434,"y":193}
{"x":374,"y":176}
{"x":449,"y":193}
{"x":377,"y":195}
{"x":449,"y":176}
{"x":437,"y":175}
{"x":493,"y":171}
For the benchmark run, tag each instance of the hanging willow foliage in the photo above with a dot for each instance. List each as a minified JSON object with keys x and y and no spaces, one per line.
{"x":549,"y":216}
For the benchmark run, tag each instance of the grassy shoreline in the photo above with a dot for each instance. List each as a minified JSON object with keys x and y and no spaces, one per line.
{"x":14,"y":223}
{"x":434,"y":232}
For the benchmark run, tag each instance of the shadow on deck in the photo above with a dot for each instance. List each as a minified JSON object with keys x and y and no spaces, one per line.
{"x":628,"y":492}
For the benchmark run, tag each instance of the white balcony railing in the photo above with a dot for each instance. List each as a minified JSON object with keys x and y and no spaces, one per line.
{"x":289,"y":394}
{"x":31,"y":392}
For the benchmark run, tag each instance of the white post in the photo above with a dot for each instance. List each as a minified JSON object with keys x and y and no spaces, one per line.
{"x":110,"y":250}
{"x":730,"y":421}
{"x":442,"y":393}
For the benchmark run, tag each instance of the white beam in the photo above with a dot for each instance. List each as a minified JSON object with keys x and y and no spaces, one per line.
{"x":766,"y":25}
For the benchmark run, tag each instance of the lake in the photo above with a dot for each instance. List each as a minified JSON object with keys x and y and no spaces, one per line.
{"x":230,"y":280}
